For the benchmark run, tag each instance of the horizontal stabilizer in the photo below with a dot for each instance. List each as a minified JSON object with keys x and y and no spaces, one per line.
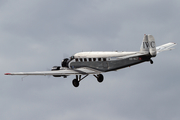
{"x":165,"y":47}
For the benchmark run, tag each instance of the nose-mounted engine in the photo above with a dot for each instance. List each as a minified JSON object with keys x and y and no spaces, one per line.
{"x":65,"y":62}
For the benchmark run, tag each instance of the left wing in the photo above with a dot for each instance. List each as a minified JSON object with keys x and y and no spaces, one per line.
{"x":61,"y":72}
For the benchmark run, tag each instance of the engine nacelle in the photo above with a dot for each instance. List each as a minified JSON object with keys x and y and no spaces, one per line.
{"x":54,"y":68}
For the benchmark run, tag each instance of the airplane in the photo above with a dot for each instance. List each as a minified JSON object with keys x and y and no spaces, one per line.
{"x":83,"y":64}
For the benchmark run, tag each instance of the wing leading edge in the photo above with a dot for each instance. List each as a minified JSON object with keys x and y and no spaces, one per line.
{"x":62,"y":72}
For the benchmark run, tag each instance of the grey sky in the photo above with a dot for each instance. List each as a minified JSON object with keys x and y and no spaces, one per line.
{"x":38,"y":34}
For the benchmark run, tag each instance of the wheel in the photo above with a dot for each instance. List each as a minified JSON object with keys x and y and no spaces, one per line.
{"x":100,"y":78}
{"x":151,"y":61}
{"x":75,"y":82}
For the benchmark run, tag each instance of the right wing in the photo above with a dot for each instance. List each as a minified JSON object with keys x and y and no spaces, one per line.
{"x":61,"y":72}
{"x":165,"y":47}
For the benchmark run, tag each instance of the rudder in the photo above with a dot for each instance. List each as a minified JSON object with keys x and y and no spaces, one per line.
{"x":152,"y":44}
{"x":148,"y":45}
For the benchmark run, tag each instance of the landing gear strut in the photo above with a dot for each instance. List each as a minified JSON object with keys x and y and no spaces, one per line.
{"x":77,"y":80}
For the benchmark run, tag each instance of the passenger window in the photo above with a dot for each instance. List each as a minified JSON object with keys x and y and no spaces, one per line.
{"x":94,"y":59}
{"x":99,"y":59}
{"x":76,"y":59}
{"x":85,"y":59}
{"x":104,"y":59}
{"x":89,"y":59}
{"x":81,"y":59}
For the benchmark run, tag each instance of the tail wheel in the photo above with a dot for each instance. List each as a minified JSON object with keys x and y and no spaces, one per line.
{"x":151,"y":61}
{"x":100,"y":78}
{"x":75,"y":82}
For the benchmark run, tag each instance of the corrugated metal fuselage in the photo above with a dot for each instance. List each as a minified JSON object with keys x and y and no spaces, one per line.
{"x":106,"y":61}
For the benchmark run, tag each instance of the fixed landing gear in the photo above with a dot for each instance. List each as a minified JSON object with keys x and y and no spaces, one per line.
{"x":151,"y":61}
{"x":78,"y":78}
{"x":99,"y":77}
{"x":75,"y":82}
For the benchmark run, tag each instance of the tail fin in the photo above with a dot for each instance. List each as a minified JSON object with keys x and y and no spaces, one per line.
{"x":152,"y":44}
{"x":145,"y":44}
{"x":148,"y":45}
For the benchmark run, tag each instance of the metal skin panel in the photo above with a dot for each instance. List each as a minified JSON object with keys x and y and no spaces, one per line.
{"x":144,"y":46}
{"x":152,"y":45}
{"x":110,"y":65}
{"x":58,"y":73}
{"x":102,"y":54}
{"x":110,"y":61}
{"x":167,"y":46}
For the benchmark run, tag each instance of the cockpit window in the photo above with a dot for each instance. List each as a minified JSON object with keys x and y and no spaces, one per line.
{"x":72,"y":57}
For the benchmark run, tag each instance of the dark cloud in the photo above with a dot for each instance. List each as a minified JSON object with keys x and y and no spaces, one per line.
{"x":36,"y":35}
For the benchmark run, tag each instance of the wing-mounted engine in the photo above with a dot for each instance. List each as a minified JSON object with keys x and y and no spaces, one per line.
{"x":55,"y":68}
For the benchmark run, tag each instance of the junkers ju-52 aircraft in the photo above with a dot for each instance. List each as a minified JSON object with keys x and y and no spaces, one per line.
{"x":95,"y":63}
